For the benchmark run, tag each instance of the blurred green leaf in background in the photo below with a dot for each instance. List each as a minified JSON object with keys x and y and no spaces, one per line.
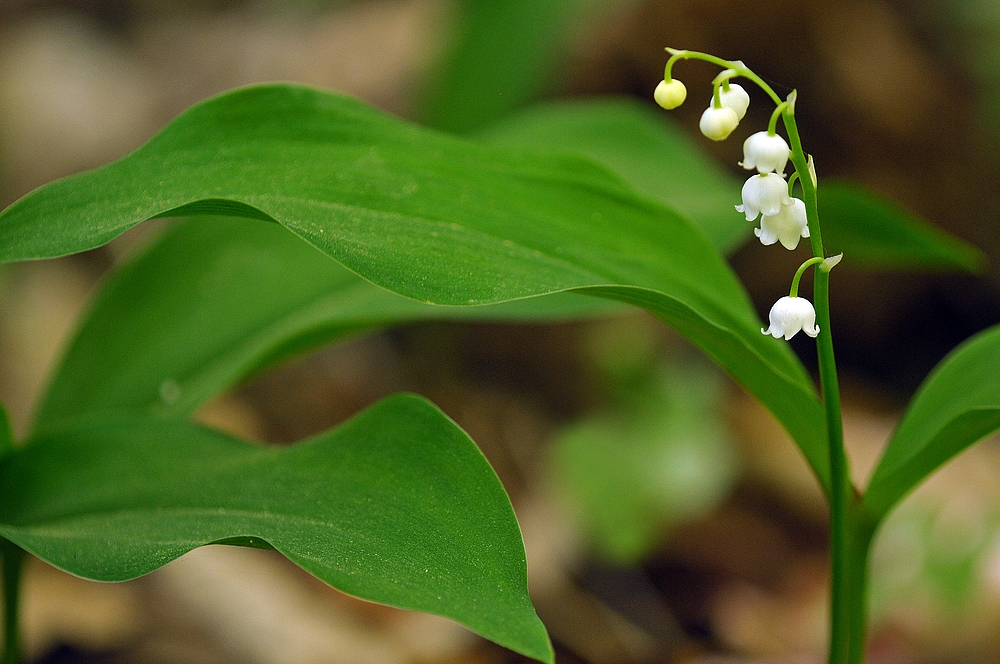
{"x":875,"y":233}
{"x":214,"y":300}
{"x":502,"y":55}
{"x":657,"y":455}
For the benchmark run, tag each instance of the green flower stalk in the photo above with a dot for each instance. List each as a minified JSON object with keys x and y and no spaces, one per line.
{"x":786,"y":219}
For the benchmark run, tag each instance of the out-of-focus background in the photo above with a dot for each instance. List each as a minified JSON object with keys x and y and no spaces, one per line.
{"x":667,"y":518}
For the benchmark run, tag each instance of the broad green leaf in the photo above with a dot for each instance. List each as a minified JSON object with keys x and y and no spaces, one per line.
{"x":957,"y":405}
{"x":501,"y":56}
{"x":642,"y":146}
{"x":428,"y":216}
{"x":873,"y":232}
{"x":396,"y":506}
{"x":234,"y":296}
{"x":216,"y":299}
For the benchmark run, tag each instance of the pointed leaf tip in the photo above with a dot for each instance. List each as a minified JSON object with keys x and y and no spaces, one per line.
{"x":396,"y":506}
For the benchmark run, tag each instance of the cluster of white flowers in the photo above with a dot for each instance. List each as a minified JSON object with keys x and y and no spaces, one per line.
{"x":782,"y":218}
{"x":765,"y":195}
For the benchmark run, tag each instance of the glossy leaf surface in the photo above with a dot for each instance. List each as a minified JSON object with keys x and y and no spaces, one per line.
{"x":216,"y":299}
{"x":874,"y":232}
{"x":431,"y":217}
{"x":957,"y":405}
{"x":397,"y":506}
{"x":645,"y":148}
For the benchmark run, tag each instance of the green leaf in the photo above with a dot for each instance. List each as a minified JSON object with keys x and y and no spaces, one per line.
{"x":430,"y":217}
{"x":957,"y":405}
{"x":502,"y":55}
{"x":236,"y":296}
{"x":876,"y":233}
{"x":396,"y":506}
{"x":656,"y":461}
{"x":215,"y":299}
{"x":642,"y":146}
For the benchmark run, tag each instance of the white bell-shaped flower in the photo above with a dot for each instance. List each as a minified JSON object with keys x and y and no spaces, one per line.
{"x":735,"y":98}
{"x":670,"y":94}
{"x":764,"y":194}
{"x":787,"y":227}
{"x":789,"y":315}
{"x":718,"y":123}
{"x":766,"y":153}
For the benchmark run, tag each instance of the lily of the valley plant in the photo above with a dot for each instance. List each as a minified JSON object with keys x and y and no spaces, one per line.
{"x":307,"y":217}
{"x":786,"y":219}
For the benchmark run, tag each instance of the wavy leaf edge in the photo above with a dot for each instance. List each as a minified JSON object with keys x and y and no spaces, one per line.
{"x":21,"y":534}
{"x":256,"y":206}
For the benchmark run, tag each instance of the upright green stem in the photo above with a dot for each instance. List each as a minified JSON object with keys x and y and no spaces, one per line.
{"x":850,"y":532}
{"x":862,"y":534}
{"x":844,"y":599}
{"x":13,"y":562}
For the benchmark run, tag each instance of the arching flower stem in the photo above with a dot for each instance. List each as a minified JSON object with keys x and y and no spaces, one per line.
{"x":850,"y":533}
{"x":791,"y":181}
{"x":668,"y":69}
{"x":740,"y":69}
{"x":721,"y":81}
{"x":772,"y":126}
{"x":794,"y":290}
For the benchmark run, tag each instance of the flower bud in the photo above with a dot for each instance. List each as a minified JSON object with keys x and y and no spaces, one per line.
{"x":766,"y":153}
{"x":670,"y":94}
{"x":789,"y":315}
{"x":788,"y":226}
{"x":764,"y":194}
{"x":735,"y":98}
{"x":718,"y":123}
